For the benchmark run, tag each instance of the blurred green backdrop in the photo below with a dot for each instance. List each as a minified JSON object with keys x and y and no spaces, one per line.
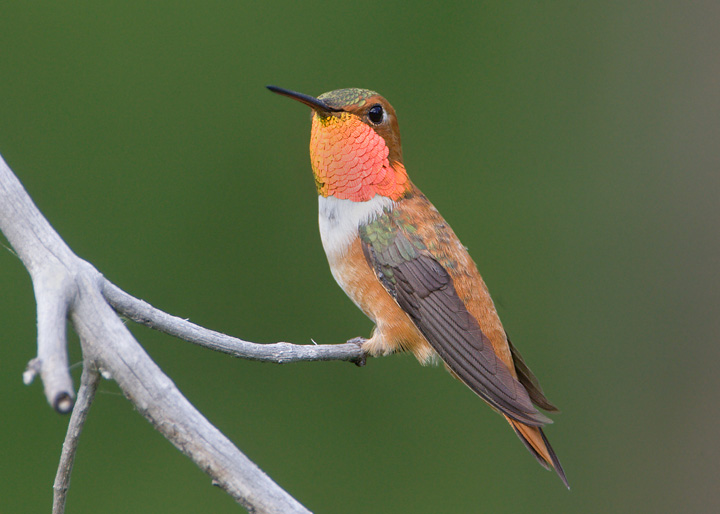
{"x":572,"y":146}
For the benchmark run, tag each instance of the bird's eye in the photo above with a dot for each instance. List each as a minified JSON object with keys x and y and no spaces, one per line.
{"x":376,"y":114}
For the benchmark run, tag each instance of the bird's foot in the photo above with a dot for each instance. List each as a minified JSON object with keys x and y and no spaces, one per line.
{"x":360,"y":341}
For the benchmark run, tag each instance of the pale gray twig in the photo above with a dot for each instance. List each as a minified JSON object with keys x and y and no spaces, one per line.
{"x":86,"y":394}
{"x":144,"y":313}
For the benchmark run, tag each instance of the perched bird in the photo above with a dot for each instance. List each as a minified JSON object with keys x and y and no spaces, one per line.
{"x":395,"y":256}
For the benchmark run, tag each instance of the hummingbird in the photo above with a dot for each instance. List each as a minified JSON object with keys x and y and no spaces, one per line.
{"x":399,"y":261}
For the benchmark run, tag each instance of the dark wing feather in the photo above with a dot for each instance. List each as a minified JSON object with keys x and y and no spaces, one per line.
{"x":425,"y":291}
{"x":531,"y":383}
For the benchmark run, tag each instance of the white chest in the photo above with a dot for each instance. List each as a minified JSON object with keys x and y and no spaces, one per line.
{"x":339,"y":221}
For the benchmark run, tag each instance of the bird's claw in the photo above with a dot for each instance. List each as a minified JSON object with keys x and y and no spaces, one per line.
{"x":360,"y":361}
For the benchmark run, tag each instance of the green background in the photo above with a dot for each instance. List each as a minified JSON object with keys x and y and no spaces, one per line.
{"x":573,"y":146}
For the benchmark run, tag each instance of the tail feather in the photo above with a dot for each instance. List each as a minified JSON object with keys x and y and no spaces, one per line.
{"x":535,"y":441}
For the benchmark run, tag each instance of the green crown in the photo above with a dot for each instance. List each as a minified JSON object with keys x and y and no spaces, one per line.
{"x":341,"y":98}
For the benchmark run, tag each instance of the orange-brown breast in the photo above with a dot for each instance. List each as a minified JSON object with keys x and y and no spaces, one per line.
{"x":395,"y":331}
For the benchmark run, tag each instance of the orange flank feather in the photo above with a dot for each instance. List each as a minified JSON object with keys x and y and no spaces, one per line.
{"x":447,"y":249}
{"x":394,"y":331}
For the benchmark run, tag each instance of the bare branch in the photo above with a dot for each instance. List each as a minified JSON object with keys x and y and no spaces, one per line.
{"x":86,"y":394}
{"x":144,"y":313}
{"x":53,"y":290}
{"x":107,"y":341}
{"x":66,"y":285}
{"x":43,"y":253}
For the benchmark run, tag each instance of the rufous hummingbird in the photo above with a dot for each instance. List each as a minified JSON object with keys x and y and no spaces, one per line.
{"x":400,"y":262}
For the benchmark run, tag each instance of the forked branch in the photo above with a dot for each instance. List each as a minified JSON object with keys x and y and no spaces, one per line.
{"x":68,"y":287}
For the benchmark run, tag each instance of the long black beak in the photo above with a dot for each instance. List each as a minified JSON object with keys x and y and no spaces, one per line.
{"x":310,"y":101}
